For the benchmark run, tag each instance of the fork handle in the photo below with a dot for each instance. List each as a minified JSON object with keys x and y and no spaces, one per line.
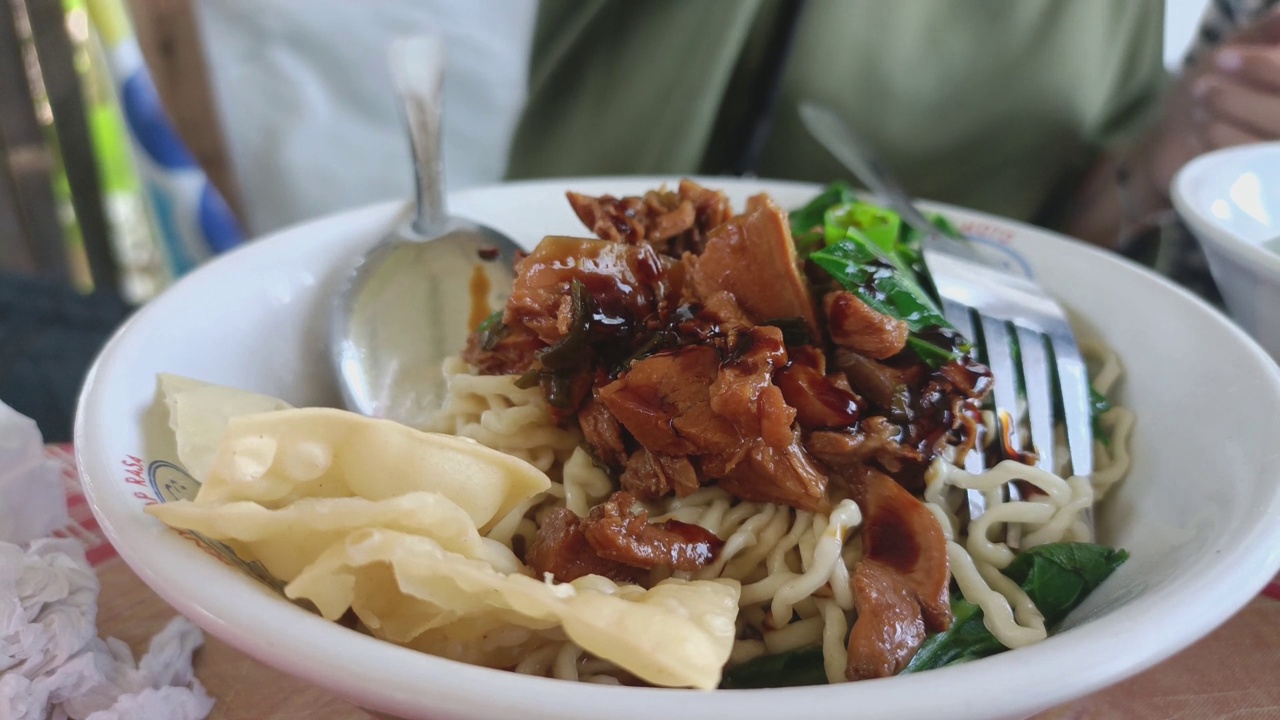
{"x":834,"y":134}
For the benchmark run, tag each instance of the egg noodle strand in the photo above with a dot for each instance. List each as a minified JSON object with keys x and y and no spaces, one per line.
{"x":794,"y":566}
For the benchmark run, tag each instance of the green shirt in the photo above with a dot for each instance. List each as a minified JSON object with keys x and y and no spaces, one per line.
{"x":992,"y":104}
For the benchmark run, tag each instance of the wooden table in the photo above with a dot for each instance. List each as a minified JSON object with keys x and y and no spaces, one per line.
{"x":1234,"y":672}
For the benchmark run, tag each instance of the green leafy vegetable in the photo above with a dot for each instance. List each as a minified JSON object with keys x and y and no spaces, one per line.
{"x":529,"y":379}
{"x":880,"y":280}
{"x":789,"y":669}
{"x":876,"y":224}
{"x":492,"y":331}
{"x":572,"y":350}
{"x":942,"y":223}
{"x":967,"y":639}
{"x":1057,"y":577}
{"x":807,"y":223}
{"x":558,"y":363}
{"x":888,"y":285}
{"x":872,"y":253}
{"x":656,"y":342}
{"x":1099,"y":404}
{"x":914,"y":237}
{"x":933,"y":355}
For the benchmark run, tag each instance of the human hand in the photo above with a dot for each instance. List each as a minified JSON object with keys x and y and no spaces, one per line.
{"x":1231,"y":96}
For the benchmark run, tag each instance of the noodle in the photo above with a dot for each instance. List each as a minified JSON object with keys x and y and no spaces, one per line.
{"x":1111,"y":459}
{"x":491,"y":410}
{"x":794,"y":566}
{"x":565,"y":665}
{"x":539,"y":662}
{"x":835,"y":655}
{"x":1056,"y":516}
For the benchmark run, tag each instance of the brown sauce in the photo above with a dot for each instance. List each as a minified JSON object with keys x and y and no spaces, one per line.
{"x":890,"y":540}
{"x":479,"y":297}
{"x":820,"y":403}
{"x":703,"y":545}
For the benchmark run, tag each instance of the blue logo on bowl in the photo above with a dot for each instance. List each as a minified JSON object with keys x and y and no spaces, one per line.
{"x":170,"y":482}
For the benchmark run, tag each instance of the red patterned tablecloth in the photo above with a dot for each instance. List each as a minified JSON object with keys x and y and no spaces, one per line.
{"x":1234,"y":672}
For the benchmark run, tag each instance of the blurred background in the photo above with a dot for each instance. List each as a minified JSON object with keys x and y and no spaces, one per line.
{"x":141,"y":137}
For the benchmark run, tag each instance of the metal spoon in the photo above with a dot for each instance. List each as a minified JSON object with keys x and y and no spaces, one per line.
{"x":413,"y":298}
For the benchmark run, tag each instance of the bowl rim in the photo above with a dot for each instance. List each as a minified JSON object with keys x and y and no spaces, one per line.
{"x":1226,"y":589}
{"x":1209,"y":231}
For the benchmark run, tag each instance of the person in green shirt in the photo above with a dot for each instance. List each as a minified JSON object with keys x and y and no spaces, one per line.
{"x":1054,"y":111}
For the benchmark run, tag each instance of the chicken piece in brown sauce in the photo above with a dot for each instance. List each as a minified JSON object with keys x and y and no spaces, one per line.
{"x":617,"y":541}
{"x":619,"y":530}
{"x":692,"y":352}
{"x":672,"y":222}
{"x":901,"y":586}
{"x":753,"y":257}
{"x":856,"y":325}
{"x":889,"y":629}
{"x":561,"y":550}
{"x":627,"y":284}
{"x":676,"y":376}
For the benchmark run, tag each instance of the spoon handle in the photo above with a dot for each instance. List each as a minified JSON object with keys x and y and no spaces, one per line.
{"x":417,"y":70}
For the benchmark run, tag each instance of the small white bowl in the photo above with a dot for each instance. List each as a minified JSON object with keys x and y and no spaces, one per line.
{"x":1230,"y":199}
{"x":1199,"y":512}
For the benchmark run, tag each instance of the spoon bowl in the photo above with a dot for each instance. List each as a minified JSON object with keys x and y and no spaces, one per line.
{"x":413,"y":298}
{"x":411,"y":303}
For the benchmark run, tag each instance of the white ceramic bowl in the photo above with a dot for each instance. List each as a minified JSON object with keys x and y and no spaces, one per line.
{"x":1200,"y":512}
{"x":1231,"y":201}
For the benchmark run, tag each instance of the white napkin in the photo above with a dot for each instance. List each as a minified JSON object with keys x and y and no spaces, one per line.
{"x":53,"y":665}
{"x":32,"y":500}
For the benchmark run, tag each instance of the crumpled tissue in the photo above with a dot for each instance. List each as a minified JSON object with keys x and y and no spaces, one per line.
{"x":32,"y":500}
{"x":52,"y":662}
{"x":54,"y":665}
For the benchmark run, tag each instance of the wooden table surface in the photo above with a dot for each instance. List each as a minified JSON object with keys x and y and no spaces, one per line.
{"x":1234,"y":672}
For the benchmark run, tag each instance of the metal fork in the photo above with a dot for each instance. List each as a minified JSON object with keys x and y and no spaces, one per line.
{"x":1013,"y":314}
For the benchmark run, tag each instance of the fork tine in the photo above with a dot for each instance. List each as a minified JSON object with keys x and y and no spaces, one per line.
{"x":1073,"y":378}
{"x":975,"y":461}
{"x":967,"y":282}
{"x":998,"y":340}
{"x":999,"y":357}
{"x":1037,"y":376}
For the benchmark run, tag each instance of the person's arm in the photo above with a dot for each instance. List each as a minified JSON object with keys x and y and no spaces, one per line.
{"x":1117,"y":199}
{"x":1230,"y":96}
